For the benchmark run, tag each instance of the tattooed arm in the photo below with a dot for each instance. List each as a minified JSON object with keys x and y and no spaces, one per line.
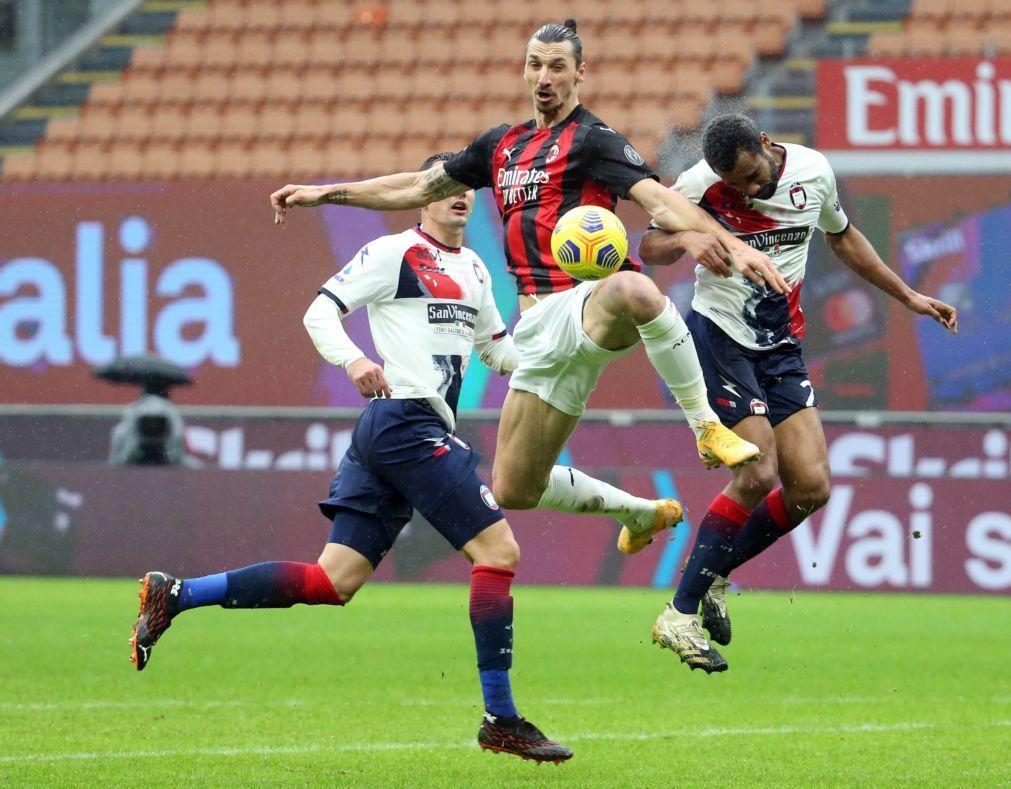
{"x":397,"y":192}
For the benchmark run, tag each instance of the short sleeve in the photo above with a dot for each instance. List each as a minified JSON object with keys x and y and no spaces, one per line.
{"x":832,"y":218}
{"x":614,"y":163}
{"x":472,"y":165}
{"x":370,"y":276}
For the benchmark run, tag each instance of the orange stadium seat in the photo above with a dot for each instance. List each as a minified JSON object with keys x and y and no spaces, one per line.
{"x":218,"y":50}
{"x":196,"y":161}
{"x":887,"y":44}
{"x":55,"y":162}
{"x":299,"y":16}
{"x":202,"y":123}
{"x":993,"y":11}
{"x":211,"y":87}
{"x":168,"y":123}
{"x":254,"y":48}
{"x":337,"y":16}
{"x":306,"y":160}
{"x":268,"y":159}
{"x":63,"y":130}
{"x":19,"y":168}
{"x":232,"y":160}
{"x":276,"y":123}
{"x":240,"y":122}
{"x":227,"y":15}
{"x":132,"y":123}
{"x":966,"y":40}
{"x":264,"y":16}
{"x":126,"y":162}
{"x":193,"y":19}
{"x":98,"y":123}
{"x":289,"y":49}
{"x":106,"y":94}
{"x":142,"y":87}
{"x":155,"y":58}
{"x":91,"y":162}
{"x":160,"y":160}
{"x":317,"y":121}
{"x":174,"y":87}
{"x":926,"y":42}
{"x":248,"y":86}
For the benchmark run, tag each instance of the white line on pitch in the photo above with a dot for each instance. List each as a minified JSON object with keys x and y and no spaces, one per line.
{"x":861,"y":728}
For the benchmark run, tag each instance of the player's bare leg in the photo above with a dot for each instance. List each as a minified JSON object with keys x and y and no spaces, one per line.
{"x":627,"y":308}
{"x":531,"y":435}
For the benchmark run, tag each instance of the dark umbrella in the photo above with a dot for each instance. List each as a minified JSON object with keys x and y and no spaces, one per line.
{"x":155,"y":375}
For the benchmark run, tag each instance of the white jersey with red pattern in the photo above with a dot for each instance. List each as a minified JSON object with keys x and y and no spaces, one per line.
{"x":781,"y":227}
{"x":428,"y":305}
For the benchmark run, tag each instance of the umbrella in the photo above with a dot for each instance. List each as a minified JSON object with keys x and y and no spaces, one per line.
{"x":155,"y":375}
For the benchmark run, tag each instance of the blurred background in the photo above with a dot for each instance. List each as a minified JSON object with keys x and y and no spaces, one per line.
{"x":140,"y":140}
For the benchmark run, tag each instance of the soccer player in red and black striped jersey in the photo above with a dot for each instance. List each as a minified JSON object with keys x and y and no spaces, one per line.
{"x":569,"y":331}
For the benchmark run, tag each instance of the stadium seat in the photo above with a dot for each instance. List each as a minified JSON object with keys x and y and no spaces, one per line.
{"x":211,"y":87}
{"x":240,"y":122}
{"x":227,"y":15}
{"x":98,"y":123}
{"x":20,"y":167}
{"x":255,"y":49}
{"x":132,"y":123}
{"x":160,"y":161}
{"x":232,"y":160}
{"x":126,"y":162}
{"x":157,"y":58}
{"x":106,"y":94}
{"x":276,"y":123}
{"x":289,"y":49}
{"x":91,"y":162}
{"x":63,"y":130}
{"x":203,"y":123}
{"x":248,"y":86}
{"x":168,"y":123}
{"x":193,"y":20}
{"x":175,"y":87}
{"x":196,"y":161}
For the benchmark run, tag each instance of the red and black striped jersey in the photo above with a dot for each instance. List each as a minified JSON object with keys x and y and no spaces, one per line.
{"x":538,"y":175}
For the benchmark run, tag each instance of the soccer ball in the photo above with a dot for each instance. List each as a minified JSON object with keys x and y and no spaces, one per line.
{"x":589,"y":242}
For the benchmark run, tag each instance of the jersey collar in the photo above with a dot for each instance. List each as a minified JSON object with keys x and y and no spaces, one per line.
{"x":434,"y":241}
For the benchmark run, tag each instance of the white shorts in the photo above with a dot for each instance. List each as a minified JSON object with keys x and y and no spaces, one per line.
{"x":558,"y":362}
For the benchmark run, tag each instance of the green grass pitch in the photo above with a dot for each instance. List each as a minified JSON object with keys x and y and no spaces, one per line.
{"x":823,"y":689}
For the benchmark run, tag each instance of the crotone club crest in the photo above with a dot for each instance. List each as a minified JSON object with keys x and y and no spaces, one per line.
{"x":798,"y":196}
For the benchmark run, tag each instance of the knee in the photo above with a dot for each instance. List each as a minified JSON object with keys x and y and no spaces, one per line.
{"x":512,"y":496}
{"x":344,"y":587}
{"x":634,"y":295}
{"x":808,"y":499}
{"x":754,"y":483}
{"x":505,"y":554}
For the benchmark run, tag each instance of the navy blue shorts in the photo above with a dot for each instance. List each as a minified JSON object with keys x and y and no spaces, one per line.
{"x":402,"y":459}
{"x":742,"y":382}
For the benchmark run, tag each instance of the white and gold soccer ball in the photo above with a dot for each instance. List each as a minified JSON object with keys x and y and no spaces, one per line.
{"x":589,"y":242}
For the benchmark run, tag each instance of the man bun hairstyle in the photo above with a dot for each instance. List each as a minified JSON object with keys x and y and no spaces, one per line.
{"x":725,"y":137}
{"x":444,"y":156}
{"x":553,"y":33}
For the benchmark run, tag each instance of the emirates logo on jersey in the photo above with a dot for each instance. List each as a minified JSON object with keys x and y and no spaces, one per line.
{"x":798,"y":196}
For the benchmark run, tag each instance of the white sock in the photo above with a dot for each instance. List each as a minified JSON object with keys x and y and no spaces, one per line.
{"x":570,"y":490}
{"x":671,"y":350}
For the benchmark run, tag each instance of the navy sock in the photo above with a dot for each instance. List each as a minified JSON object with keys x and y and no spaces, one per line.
{"x":264,"y":585}
{"x":712,"y":551}
{"x":491,"y":617}
{"x":208,"y":590}
{"x":767,"y":523}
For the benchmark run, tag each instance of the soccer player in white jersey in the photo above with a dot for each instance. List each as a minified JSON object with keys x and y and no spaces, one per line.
{"x":430,"y":303}
{"x":772,"y":196}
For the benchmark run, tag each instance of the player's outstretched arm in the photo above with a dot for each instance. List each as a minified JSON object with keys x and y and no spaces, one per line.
{"x":397,"y":192}
{"x":674,"y":212}
{"x":661,"y":248}
{"x":852,"y":248}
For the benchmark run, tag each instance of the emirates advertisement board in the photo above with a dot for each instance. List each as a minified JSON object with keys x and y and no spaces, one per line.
{"x":957,"y":107}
